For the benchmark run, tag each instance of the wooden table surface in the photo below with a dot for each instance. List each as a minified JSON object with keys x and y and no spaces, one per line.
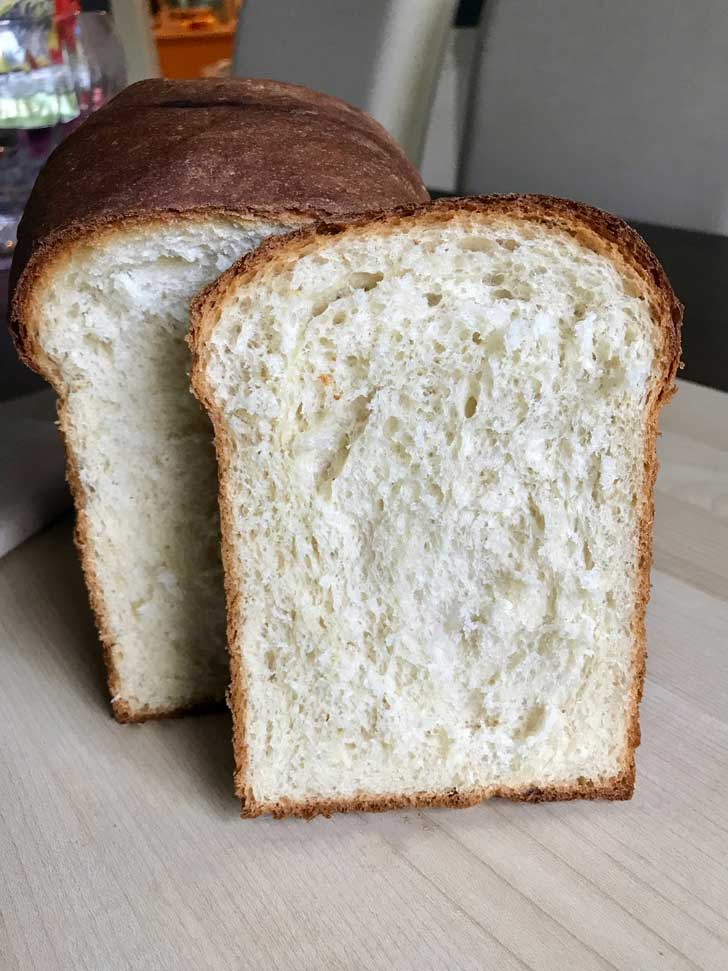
{"x":121,"y":846}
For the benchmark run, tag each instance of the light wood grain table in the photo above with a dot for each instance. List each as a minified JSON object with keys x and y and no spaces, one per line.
{"x":121,"y":846}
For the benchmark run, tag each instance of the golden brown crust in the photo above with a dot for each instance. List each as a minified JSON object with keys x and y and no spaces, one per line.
{"x":636,"y":263}
{"x":236,"y":698}
{"x":126,"y":715}
{"x":621,"y":787}
{"x":593,"y":228}
{"x":165,"y":151}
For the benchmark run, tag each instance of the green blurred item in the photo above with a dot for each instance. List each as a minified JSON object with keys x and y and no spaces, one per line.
{"x":26,"y":8}
{"x":38,"y":110}
{"x":37,"y":86}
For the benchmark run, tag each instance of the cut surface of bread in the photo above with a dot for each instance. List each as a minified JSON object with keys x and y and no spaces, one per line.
{"x":179,"y":180}
{"x":436,"y":432}
{"x":112,"y":318}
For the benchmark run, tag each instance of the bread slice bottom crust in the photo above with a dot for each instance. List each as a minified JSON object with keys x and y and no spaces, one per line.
{"x":621,"y":787}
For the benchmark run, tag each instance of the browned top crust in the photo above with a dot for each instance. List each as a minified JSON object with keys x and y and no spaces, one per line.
{"x":247,"y":146}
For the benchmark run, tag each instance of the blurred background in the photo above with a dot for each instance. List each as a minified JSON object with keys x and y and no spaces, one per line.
{"x":620,"y":104}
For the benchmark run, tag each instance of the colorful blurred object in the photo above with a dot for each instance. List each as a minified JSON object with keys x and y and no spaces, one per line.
{"x":56,"y":66}
{"x":26,"y":8}
{"x":22,"y":44}
{"x":37,"y":9}
{"x":37,"y":86}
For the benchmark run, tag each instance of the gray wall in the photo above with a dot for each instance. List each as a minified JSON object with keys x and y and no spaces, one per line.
{"x":381,"y":55}
{"x":621,"y":103}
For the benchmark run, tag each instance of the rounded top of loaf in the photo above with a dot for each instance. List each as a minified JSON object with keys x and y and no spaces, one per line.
{"x":247,"y":146}
{"x":592,"y":228}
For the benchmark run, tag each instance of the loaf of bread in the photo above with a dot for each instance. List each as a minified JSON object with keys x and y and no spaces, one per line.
{"x":146,"y":203}
{"x":436,"y":437}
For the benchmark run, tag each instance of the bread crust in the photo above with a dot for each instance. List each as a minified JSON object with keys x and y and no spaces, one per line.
{"x":248,"y":150}
{"x":620,"y":787}
{"x":635,"y":262}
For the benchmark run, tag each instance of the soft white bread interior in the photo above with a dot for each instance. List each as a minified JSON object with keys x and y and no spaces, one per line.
{"x":147,"y":201}
{"x":436,"y":438}
{"x":111,"y":314}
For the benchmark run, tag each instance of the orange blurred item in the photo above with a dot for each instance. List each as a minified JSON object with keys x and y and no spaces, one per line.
{"x":188,"y":41}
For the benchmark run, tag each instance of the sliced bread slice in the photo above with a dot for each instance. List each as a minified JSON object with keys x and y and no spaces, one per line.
{"x":436,"y":439}
{"x":144,"y":204}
